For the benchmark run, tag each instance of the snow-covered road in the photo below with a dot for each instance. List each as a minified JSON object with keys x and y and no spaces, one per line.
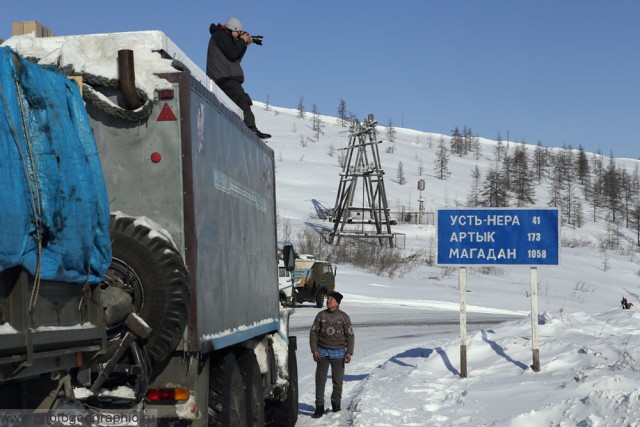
{"x":385,"y":332}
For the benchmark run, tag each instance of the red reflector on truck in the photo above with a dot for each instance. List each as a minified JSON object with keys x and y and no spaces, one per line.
{"x":156,"y":157}
{"x":153,"y":395}
{"x":167,"y":394}
{"x":165,"y":94}
{"x":166,"y":115}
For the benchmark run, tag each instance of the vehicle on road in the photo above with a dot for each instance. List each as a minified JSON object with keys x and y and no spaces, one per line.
{"x":313,"y":280}
{"x":285,"y":286}
{"x":190,"y":192}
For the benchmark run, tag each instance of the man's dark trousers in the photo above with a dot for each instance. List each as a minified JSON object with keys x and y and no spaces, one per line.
{"x":337,"y":376}
{"x":235,"y":91}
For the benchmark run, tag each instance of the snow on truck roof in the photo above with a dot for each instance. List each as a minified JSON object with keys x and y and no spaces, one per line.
{"x":97,"y":54}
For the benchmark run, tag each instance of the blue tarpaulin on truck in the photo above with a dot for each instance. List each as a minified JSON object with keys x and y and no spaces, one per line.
{"x":54,"y":212}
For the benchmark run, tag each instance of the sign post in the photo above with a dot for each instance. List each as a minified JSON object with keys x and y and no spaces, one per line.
{"x":463,"y":321}
{"x":498,"y":236}
{"x":535,"y":348}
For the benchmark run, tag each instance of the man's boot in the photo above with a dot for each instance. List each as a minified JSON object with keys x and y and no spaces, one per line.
{"x":262,"y":135}
{"x":335,"y":406}
{"x":259,"y":134}
{"x":319,"y":411}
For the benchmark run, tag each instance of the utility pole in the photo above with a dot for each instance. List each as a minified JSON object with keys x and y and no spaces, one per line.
{"x":420,"y":200}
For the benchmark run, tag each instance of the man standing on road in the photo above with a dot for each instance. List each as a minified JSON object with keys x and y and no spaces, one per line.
{"x":332,"y":340}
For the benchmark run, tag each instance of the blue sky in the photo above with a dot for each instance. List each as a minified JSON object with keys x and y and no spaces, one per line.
{"x":559,"y":72}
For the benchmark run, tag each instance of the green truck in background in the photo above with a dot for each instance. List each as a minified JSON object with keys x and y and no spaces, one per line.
{"x":313,"y":280}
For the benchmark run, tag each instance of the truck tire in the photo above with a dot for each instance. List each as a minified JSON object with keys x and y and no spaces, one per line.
{"x":227,"y":405}
{"x":320,"y":296}
{"x":253,"y":387}
{"x":285,"y":413}
{"x":153,"y":271}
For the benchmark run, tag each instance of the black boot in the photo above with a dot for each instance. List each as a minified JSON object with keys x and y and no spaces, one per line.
{"x":319,"y":411}
{"x":335,"y":406}
{"x":262,"y":135}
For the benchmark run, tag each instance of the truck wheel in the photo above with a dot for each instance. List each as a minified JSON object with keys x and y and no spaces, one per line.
{"x":151,"y":269}
{"x":227,"y":405}
{"x":254,"y":390}
{"x":320,"y":294}
{"x":285,"y":413}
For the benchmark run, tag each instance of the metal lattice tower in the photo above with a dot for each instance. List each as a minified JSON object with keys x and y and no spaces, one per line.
{"x":370,"y":218}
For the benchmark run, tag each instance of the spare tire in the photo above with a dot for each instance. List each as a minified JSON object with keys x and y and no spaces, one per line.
{"x":149,"y":266}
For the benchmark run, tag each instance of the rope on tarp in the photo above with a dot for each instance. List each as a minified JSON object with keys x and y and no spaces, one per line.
{"x":180,"y":66}
{"x":32,"y":181}
{"x":90,"y":94}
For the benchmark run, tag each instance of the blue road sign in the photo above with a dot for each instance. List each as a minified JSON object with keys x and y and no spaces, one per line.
{"x":498,"y":236}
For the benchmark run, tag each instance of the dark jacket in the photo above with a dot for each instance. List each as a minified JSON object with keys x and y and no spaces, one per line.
{"x":332,"y":329}
{"x":224,"y":55}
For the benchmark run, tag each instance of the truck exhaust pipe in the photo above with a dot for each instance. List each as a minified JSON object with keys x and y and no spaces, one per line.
{"x":127,"y":79}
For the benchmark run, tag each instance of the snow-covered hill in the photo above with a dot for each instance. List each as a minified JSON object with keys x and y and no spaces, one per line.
{"x":589,"y":373}
{"x":307,"y":173}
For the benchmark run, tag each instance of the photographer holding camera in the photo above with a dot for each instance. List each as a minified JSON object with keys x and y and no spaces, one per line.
{"x":227,"y":46}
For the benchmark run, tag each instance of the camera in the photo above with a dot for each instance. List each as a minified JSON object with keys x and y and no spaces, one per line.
{"x":257,"y":40}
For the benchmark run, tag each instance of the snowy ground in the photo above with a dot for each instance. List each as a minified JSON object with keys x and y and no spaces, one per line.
{"x":406,"y":367}
{"x":406,"y":373}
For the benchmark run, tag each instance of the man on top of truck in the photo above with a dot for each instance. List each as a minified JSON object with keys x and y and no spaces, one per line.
{"x":227,"y":46}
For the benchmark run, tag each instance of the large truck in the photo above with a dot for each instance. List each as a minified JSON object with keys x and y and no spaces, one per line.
{"x":180,"y":327}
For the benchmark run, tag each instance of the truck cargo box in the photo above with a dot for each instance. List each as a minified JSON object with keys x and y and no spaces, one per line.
{"x":170,"y":161}
{"x":192,"y":227}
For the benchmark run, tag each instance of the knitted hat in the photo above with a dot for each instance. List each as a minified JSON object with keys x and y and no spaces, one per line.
{"x":234,"y":24}
{"x":335,"y":295}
